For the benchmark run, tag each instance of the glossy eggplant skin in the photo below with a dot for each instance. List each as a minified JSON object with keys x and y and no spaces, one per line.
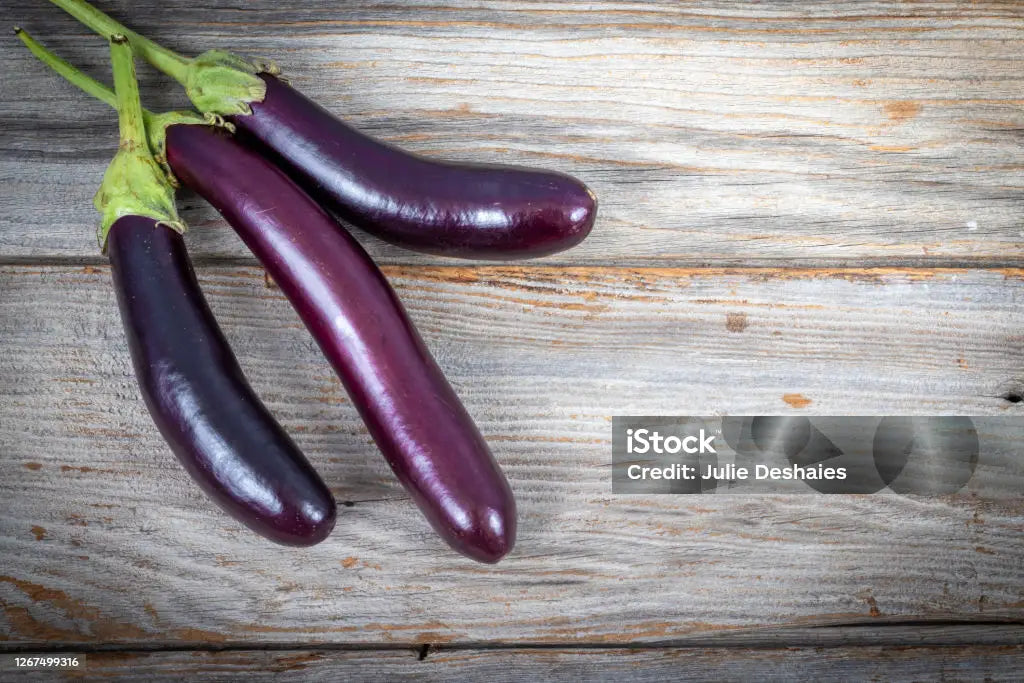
{"x":464,"y":210}
{"x":199,"y":398}
{"x":418,"y":422}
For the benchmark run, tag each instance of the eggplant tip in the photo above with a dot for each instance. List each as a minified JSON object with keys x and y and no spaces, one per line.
{"x":492,"y":536}
{"x":307,"y":527}
{"x":581,"y":216}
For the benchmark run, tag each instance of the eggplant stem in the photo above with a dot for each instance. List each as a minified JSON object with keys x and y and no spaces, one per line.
{"x":126,"y":89}
{"x":216,"y":81}
{"x":70,"y":73}
{"x":168,"y":61}
{"x":133,"y":184}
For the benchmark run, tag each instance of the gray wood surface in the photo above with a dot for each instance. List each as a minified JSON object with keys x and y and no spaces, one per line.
{"x":806,"y":208}
{"x":107,"y":538}
{"x":987,"y":664}
{"x":709,"y":131}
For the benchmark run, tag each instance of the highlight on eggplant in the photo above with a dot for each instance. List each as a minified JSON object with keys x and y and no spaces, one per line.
{"x":193,"y":386}
{"x":421,"y":427}
{"x":454,"y":209}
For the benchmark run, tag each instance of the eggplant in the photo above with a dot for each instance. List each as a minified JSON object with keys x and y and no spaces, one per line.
{"x":191,"y":381}
{"x":464,"y":210}
{"x":410,"y":409}
{"x":451,"y":209}
{"x":199,"y":398}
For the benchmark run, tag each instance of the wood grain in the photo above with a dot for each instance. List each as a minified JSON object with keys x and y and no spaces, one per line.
{"x":712,"y":132}
{"x":105,"y":539}
{"x":844,"y":663}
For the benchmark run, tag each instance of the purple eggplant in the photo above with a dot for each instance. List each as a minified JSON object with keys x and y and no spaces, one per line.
{"x":199,"y":398}
{"x":424,"y":432}
{"x":426,"y":435}
{"x":454,"y":209}
{"x":192,"y":383}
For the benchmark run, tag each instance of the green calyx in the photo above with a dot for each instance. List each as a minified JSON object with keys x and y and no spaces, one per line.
{"x":133,"y":184}
{"x":157,"y":125}
{"x":223,"y":83}
{"x":217,"y":82}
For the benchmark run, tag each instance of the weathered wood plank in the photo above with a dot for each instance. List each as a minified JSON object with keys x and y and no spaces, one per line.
{"x":103,"y":537}
{"x":965,"y":631}
{"x":844,"y":663}
{"x":710,"y":131}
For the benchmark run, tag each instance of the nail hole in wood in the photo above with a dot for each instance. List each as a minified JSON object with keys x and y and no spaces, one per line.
{"x":1013,"y":397}
{"x":424,"y":649}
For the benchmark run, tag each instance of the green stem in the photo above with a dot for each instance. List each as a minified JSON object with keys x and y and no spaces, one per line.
{"x":168,"y":61}
{"x":133,"y":184}
{"x":216,"y":81}
{"x":68,"y":71}
{"x":126,"y":89}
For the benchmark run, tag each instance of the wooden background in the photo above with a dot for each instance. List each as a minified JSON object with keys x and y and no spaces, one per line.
{"x":805,"y":207}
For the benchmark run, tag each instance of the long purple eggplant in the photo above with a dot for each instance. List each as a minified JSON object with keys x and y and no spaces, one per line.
{"x":454,"y":209}
{"x":421,"y":427}
{"x":192,"y":383}
{"x":411,"y":411}
{"x":199,"y":398}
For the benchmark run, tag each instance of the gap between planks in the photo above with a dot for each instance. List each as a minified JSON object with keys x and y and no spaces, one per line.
{"x":907,"y":632}
{"x":808,"y":263}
